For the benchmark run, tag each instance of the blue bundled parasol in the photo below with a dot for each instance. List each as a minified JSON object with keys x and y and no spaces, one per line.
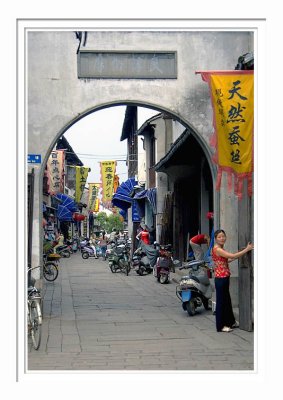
{"x":122,"y":198}
{"x":66,"y":208}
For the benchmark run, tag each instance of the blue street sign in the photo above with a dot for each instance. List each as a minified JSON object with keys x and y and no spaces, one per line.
{"x":34,"y":158}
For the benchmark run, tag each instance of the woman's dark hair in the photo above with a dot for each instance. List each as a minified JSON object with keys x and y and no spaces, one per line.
{"x":217,"y":232}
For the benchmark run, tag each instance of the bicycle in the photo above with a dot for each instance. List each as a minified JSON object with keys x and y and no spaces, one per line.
{"x":34,"y":312}
{"x":50,"y":268}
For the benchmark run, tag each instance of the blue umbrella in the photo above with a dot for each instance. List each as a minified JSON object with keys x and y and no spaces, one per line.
{"x":64,"y":214}
{"x":66,"y":201}
{"x":66,"y":208}
{"x":122,"y":198}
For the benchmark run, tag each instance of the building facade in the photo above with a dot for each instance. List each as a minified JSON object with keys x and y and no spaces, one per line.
{"x":68,"y":78}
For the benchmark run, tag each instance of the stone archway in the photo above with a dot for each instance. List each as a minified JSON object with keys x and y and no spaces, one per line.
{"x":198,"y":140}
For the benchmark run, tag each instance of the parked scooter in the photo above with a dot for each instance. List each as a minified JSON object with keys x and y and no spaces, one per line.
{"x":73,"y":245}
{"x":194,"y":289}
{"x":119,"y":259}
{"x":140,"y":262}
{"x":63,"y":251}
{"x":164,"y":264}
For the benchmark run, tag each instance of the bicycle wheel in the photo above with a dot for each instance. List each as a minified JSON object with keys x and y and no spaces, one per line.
{"x":35,"y":322}
{"x":50,"y":271}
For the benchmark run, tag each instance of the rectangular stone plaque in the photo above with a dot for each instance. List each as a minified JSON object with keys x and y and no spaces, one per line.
{"x":127,"y":65}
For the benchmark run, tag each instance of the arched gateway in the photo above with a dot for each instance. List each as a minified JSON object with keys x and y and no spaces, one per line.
{"x":71,"y":74}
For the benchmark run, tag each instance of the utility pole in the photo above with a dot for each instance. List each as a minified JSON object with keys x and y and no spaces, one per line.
{"x":133,"y":146}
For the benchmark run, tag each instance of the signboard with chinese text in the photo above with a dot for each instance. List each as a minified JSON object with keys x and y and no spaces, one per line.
{"x":127,"y":64}
{"x":81,"y":177}
{"x":93,"y":190}
{"x":55,"y":172}
{"x":232,"y":96}
{"x":107,"y":178}
{"x":34,"y":158}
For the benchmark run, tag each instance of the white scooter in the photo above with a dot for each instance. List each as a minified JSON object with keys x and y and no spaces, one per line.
{"x":194,"y":289}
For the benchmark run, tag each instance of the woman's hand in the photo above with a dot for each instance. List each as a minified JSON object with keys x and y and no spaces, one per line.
{"x":250,"y":246}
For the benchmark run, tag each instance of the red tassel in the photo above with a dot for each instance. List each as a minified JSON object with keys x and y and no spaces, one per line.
{"x":236,"y":184}
{"x":229,"y":182}
{"x":212,"y":140}
{"x":218,"y":179}
{"x":240,"y":188}
{"x":250,"y":184}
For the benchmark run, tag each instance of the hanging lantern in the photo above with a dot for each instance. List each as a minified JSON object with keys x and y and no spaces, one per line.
{"x":78,"y":217}
{"x":210,"y":215}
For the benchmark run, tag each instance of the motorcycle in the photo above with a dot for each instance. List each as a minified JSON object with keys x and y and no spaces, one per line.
{"x":64,"y":251}
{"x":140,"y":262}
{"x":119,"y":259}
{"x":88,"y":250}
{"x":164,"y":264}
{"x":194,"y":289}
{"x":84,"y":242}
{"x":73,"y":245}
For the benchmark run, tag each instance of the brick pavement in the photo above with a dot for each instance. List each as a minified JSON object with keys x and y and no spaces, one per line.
{"x":96,"y":320}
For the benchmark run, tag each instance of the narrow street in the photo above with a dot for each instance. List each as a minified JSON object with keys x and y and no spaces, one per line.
{"x":97,"y":320}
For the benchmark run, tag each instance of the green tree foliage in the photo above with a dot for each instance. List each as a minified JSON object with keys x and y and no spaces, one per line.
{"x":110,"y":222}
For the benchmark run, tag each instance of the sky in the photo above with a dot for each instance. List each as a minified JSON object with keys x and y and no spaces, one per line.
{"x":96,"y":137}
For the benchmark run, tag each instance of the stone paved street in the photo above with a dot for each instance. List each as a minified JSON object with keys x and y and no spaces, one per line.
{"x":97,"y":320}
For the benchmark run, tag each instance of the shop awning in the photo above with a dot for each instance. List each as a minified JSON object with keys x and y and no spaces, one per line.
{"x":146,"y":195}
{"x":122,"y":198}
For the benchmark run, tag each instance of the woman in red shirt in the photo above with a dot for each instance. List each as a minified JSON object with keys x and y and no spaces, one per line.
{"x":225,"y":319}
{"x":143,"y":235}
{"x":196,"y":242}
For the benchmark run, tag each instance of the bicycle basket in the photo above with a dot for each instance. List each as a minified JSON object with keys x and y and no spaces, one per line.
{"x":53,"y":257}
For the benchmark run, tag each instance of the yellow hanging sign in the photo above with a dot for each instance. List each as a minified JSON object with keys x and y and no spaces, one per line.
{"x":107,"y":177}
{"x":233,"y":101}
{"x":93,"y":190}
{"x":81,"y":177}
{"x":232,"y":96}
{"x":96,"y":208}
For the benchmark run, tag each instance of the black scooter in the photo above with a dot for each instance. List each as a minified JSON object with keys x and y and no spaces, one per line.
{"x":119,"y":259}
{"x":140,"y":262}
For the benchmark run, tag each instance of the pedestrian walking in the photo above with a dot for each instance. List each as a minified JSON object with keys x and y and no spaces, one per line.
{"x":103,"y":244}
{"x":225,"y":319}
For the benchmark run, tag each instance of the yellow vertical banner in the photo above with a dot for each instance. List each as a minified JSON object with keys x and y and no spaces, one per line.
{"x":55,"y":172}
{"x":107,"y":169}
{"x":93,"y":190}
{"x":81,"y":177}
{"x":232,"y":96}
{"x":97,"y":202}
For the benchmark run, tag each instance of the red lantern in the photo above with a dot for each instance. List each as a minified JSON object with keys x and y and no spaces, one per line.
{"x":209,"y":215}
{"x":78,"y":217}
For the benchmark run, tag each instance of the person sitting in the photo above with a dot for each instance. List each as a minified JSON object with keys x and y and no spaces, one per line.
{"x":60,"y":240}
{"x":92,"y":243}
